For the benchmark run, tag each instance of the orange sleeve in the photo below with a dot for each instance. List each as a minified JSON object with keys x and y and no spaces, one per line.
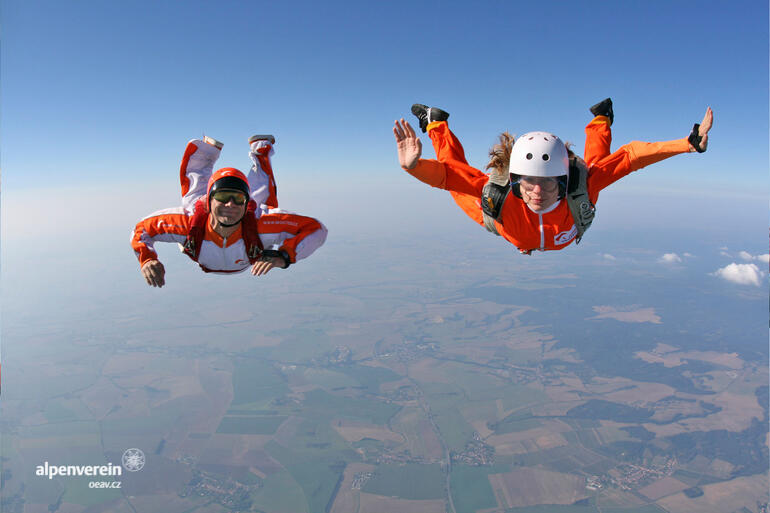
{"x":630,"y":157}
{"x":163,"y":226}
{"x":298,"y":235}
{"x":451,"y":175}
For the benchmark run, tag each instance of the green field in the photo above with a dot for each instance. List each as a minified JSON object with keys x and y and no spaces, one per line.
{"x":280,"y":494}
{"x":316,"y":471}
{"x":370,"y":377}
{"x":256,"y":381}
{"x":328,"y":379}
{"x":252,"y":425}
{"x":322,"y":404}
{"x":411,"y":481}
{"x":517,"y":421}
{"x":445,"y":401}
{"x":556,"y":508}
{"x":471,"y":490}
{"x":455,"y":431}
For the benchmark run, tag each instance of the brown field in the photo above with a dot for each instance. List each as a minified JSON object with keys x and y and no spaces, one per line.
{"x":640,"y":394}
{"x":171,"y":503}
{"x":674,"y":359}
{"x":531,"y":486}
{"x":226,"y":449}
{"x":564,"y":354}
{"x":626,"y":314}
{"x":347,"y":499}
{"x":668,"y":411}
{"x":721,"y":468}
{"x":525,"y":336}
{"x":562,"y":399}
{"x":608,"y":434}
{"x":480,"y":426}
{"x":378,"y":504}
{"x":663,"y":487}
{"x":574,"y":383}
{"x":525,"y":441}
{"x":718,"y":381}
{"x":355,"y":431}
{"x":474,"y":352}
{"x":742,"y":492}
{"x":736,"y":414}
{"x":550,"y":441}
{"x":617,"y":498}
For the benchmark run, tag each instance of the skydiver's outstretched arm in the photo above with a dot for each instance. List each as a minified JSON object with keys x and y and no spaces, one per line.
{"x":154,"y":273}
{"x":409,"y":145}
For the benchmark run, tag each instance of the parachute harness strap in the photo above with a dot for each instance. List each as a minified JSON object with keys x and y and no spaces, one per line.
{"x":493,"y":196}
{"x":580,"y":205}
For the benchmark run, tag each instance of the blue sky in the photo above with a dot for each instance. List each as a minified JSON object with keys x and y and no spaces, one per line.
{"x":108,"y":92}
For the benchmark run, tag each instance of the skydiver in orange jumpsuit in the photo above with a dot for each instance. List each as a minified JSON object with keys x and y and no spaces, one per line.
{"x":534,"y":215}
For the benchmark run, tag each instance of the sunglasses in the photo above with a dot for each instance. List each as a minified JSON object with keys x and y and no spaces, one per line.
{"x":236,"y":197}
{"x":548,"y":184}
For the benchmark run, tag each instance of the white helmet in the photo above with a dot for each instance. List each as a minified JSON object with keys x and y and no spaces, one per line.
{"x":539,"y":154}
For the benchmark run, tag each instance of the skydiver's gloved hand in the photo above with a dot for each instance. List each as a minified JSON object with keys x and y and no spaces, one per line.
{"x":409,"y":145}
{"x":154,"y":273}
{"x":699,"y":137}
{"x":266,"y":263}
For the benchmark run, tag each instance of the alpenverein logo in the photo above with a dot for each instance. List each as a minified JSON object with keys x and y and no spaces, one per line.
{"x":78,"y":470}
{"x":133,"y":460}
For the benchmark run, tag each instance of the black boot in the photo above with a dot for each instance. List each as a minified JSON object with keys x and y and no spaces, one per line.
{"x":604,"y":108}
{"x":428,"y":115}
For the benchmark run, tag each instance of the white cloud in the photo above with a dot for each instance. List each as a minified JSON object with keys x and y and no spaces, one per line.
{"x":689,"y":255}
{"x":745,"y":255}
{"x":725,"y":253}
{"x":742,"y":274}
{"x":607,"y":256}
{"x":670,"y":258}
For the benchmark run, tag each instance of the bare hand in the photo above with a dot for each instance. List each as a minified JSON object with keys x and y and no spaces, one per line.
{"x":409,"y":145}
{"x":154,"y":273}
{"x":705,"y":126}
{"x":261,"y":267}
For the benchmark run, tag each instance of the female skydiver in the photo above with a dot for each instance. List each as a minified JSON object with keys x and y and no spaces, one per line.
{"x":530,"y":178}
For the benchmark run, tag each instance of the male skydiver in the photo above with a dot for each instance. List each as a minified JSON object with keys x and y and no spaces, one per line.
{"x":224,"y":223}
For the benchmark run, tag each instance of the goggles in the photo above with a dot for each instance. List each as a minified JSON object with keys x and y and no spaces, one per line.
{"x":547,"y":184}
{"x":236,"y":197}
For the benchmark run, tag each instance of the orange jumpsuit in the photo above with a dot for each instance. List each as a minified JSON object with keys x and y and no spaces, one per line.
{"x":553,"y":228}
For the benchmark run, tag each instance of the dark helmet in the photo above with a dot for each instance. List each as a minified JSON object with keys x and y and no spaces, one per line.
{"x":227,"y":178}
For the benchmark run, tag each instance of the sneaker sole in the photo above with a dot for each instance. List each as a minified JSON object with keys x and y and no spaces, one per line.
{"x":262,"y":137}
{"x":210,"y":140}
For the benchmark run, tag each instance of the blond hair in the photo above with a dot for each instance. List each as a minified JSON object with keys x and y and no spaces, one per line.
{"x":500,"y":153}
